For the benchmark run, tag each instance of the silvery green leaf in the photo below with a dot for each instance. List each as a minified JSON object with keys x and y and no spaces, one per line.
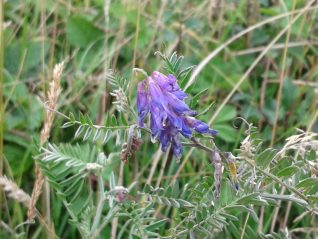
{"x":165,"y":201}
{"x":67,"y":124}
{"x":264,"y":159}
{"x":156,"y":225}
{"x":79,"y":131}
{"x":97,"y":135}
{"x":87,"y":133}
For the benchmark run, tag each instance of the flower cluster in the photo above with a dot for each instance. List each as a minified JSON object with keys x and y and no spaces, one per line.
{"x":170,"y":116}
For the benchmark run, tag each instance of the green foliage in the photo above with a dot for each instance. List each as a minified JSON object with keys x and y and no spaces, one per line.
{"x":88,"y":131}
{"x":67,"y":168}
{"x":174,"y":66}
{"x":80,"y":32}
{"x":201,"y":212}
{"x":84,"y":178}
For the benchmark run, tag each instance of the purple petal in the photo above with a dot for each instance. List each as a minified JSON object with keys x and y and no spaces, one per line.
{"x":175,"y":89}
{"x":213,"y":132}
{"x":142,"y":103}
{"x":156,"y":93}
{"x":199,"y":126}
{"x":167,"y":99}
{"x":180,"y":94}
{"x":158,"y":118}
{"x":173,"y":82}
{"x":186,"y":131}
{"x":175,"y":120}
{"x":178,"y":105}
{"x":164,"y":139}
{"x":161,"y":80}
{"x":169,"y":83}
{"x":176,"y":147}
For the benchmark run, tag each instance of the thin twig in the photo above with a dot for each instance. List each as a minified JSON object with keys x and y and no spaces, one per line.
{"x":184,"y":161}
{"x":154,"y":165}
{"x":274,"y":219}
{"x":120,"y":183}
{"x":163,"y":165}
{"x":275,"y":47}
{"x":244,"y":227}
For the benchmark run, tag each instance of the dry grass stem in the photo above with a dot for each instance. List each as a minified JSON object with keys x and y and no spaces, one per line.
{"x":53,"y":94}
{"x":303,"y":142}
{"x":281,"y":83}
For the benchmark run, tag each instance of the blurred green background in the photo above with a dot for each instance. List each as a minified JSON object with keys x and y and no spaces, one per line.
{"x":92,"y":36}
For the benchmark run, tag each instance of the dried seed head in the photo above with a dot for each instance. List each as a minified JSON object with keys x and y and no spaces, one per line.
{"x":120,"y":193}
{"x":217,"y":163}
{"x":129,"y":149}
{"x":247,"y":148}
{"x":121,"y":100}
{"x":132,"y":145}
{"x":53,"y":93}
{"x":302,"y":142}
{"x":14,"y":191}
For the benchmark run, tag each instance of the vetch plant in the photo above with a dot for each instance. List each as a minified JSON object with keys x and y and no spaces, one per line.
{"x":237,"y":186}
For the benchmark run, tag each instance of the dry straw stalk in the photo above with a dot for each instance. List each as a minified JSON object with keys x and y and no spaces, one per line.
{"x":53,"y":94}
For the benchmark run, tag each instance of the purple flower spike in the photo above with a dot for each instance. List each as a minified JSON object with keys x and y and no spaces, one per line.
{"x":170,"y":116}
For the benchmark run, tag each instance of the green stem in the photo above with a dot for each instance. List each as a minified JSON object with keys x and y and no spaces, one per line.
{"x":100,"y":205}
{"x":276,"y":179}
{"x":109,"y":217}
{"x":94,"y":125}
{"x":105,"y":127}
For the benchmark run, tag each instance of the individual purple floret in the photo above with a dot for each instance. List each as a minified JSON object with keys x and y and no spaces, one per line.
{"x":142,"y":103}
{"x":170,"y":116}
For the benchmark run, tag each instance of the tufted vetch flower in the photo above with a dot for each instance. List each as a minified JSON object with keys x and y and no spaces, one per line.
{"x":170,"y":116}
{"x":142,"y":103}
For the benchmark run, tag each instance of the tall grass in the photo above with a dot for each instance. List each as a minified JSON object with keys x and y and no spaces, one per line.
{"x":254,"y":80}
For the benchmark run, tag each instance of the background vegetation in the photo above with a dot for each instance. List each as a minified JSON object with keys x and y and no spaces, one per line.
{"x":268,"y":76}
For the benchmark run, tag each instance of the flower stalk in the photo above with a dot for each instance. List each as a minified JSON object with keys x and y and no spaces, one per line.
{"x":100,"y":204}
